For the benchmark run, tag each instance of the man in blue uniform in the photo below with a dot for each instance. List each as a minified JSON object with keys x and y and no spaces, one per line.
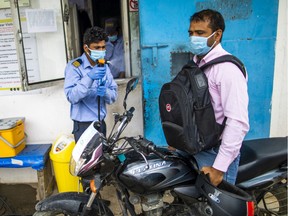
{"x":115,"y":48}
{"x":89,"y":86}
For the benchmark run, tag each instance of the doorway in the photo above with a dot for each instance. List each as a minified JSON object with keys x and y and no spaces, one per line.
{"x":105,"y":9}
{"x":94,"y":13}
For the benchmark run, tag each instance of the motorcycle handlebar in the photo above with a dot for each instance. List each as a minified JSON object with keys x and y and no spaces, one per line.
{"x":131,"y":110}
{"x":146,"y":146}
{"x":153,"y":149}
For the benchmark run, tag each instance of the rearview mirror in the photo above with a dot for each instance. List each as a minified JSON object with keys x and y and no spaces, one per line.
{"x":131,"y":85}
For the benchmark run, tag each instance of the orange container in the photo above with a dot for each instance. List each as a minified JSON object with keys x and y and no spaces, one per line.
{"x":12,"y":136}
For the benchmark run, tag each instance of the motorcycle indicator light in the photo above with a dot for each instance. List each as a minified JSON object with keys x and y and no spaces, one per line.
{"x":93,"y":186}
{"x":250,"y":208}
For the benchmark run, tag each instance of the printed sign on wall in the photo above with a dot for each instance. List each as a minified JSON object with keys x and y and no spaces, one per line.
{"x":9,"y":68}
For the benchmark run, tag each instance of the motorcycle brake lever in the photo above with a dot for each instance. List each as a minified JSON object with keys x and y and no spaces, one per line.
{"x":116,"y":117}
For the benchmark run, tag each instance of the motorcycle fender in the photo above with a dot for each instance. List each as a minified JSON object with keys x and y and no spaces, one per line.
{"x":68,"y":202}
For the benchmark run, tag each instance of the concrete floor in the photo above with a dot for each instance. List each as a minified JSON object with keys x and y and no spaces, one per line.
{"x":20,"y":199}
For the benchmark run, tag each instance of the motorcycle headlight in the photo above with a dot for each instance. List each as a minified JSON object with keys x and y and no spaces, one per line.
{"x":75,"y":166}
{"x":87,"y":152}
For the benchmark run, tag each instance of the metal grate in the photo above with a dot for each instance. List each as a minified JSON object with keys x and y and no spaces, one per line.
{"x":275,"y":201}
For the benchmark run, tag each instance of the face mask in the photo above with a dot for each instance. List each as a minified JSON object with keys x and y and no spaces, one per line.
{"x":199,"y":45}
{"x":97,"y":54}
{"x":113,"y":38}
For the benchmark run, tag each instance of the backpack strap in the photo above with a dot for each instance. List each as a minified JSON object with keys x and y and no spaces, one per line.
{"x":190,"y":64}
{"x":221,"y":59}
{"x":226,"y":58}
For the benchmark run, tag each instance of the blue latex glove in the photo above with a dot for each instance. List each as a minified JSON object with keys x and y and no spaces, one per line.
{"x":97,"y":73}
{"x":101,"y":90}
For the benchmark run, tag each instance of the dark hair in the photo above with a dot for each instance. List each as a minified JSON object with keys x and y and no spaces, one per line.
{"x":216,"y":20}
{"x":94,"y":35}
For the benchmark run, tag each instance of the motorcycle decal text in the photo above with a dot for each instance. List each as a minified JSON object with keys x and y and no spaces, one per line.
{"x":150,"y":166}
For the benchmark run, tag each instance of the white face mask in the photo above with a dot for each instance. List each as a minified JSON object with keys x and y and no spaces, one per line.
{"x":199,"y":45}
{"x":97,"y":54}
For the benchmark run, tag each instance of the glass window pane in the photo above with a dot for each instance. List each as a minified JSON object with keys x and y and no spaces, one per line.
{"x":43,"y":40}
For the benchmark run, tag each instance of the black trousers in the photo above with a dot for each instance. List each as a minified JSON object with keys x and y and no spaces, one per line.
{"x":80,"y":127}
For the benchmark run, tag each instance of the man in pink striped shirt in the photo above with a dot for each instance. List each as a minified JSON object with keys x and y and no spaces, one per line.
{"x":229,"y":96}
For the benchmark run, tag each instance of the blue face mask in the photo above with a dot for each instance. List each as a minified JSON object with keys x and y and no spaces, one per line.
{"x":199,"y":45}
{"x":97,"y":54}
{"x":113,"y":38}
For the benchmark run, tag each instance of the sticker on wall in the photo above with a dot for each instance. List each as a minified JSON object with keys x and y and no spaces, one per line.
{"x":133,"y":5}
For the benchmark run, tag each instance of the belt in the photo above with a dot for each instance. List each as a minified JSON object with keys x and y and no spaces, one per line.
{"x":88,"y":122}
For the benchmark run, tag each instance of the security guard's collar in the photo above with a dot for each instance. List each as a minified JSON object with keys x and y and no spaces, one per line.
{"x":85,"y":60}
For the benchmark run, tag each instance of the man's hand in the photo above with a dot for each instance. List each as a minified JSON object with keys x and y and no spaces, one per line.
{"x":170,"y":148}
{"x":101,"y":90}
{"x":97,"y":73}
{"x":216,"y":176}
{"x":122,"y":74}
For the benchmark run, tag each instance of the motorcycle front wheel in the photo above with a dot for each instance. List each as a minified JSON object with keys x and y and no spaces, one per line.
{"x":95,"y":212}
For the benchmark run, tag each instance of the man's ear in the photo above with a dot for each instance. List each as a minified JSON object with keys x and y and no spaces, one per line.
{"x":85,"y":48}
{"x":218,"y":35}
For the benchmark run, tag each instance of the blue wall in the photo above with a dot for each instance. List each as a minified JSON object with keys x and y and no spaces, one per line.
{"x":250,"y":35}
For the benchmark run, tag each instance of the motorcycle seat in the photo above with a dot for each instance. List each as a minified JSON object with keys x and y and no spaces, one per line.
{"x":260,"y":156}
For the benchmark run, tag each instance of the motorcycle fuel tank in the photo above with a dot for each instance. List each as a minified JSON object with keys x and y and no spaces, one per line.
{"x":158,"y":174}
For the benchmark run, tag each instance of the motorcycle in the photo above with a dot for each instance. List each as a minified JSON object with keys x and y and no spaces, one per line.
{"x":143,"y":173}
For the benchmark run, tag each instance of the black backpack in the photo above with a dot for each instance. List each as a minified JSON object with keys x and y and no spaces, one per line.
{"x":186,"y":112}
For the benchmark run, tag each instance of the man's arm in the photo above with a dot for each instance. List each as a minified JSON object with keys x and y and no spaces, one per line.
{"x":232,"y":87}
{"x":76,"y":87}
